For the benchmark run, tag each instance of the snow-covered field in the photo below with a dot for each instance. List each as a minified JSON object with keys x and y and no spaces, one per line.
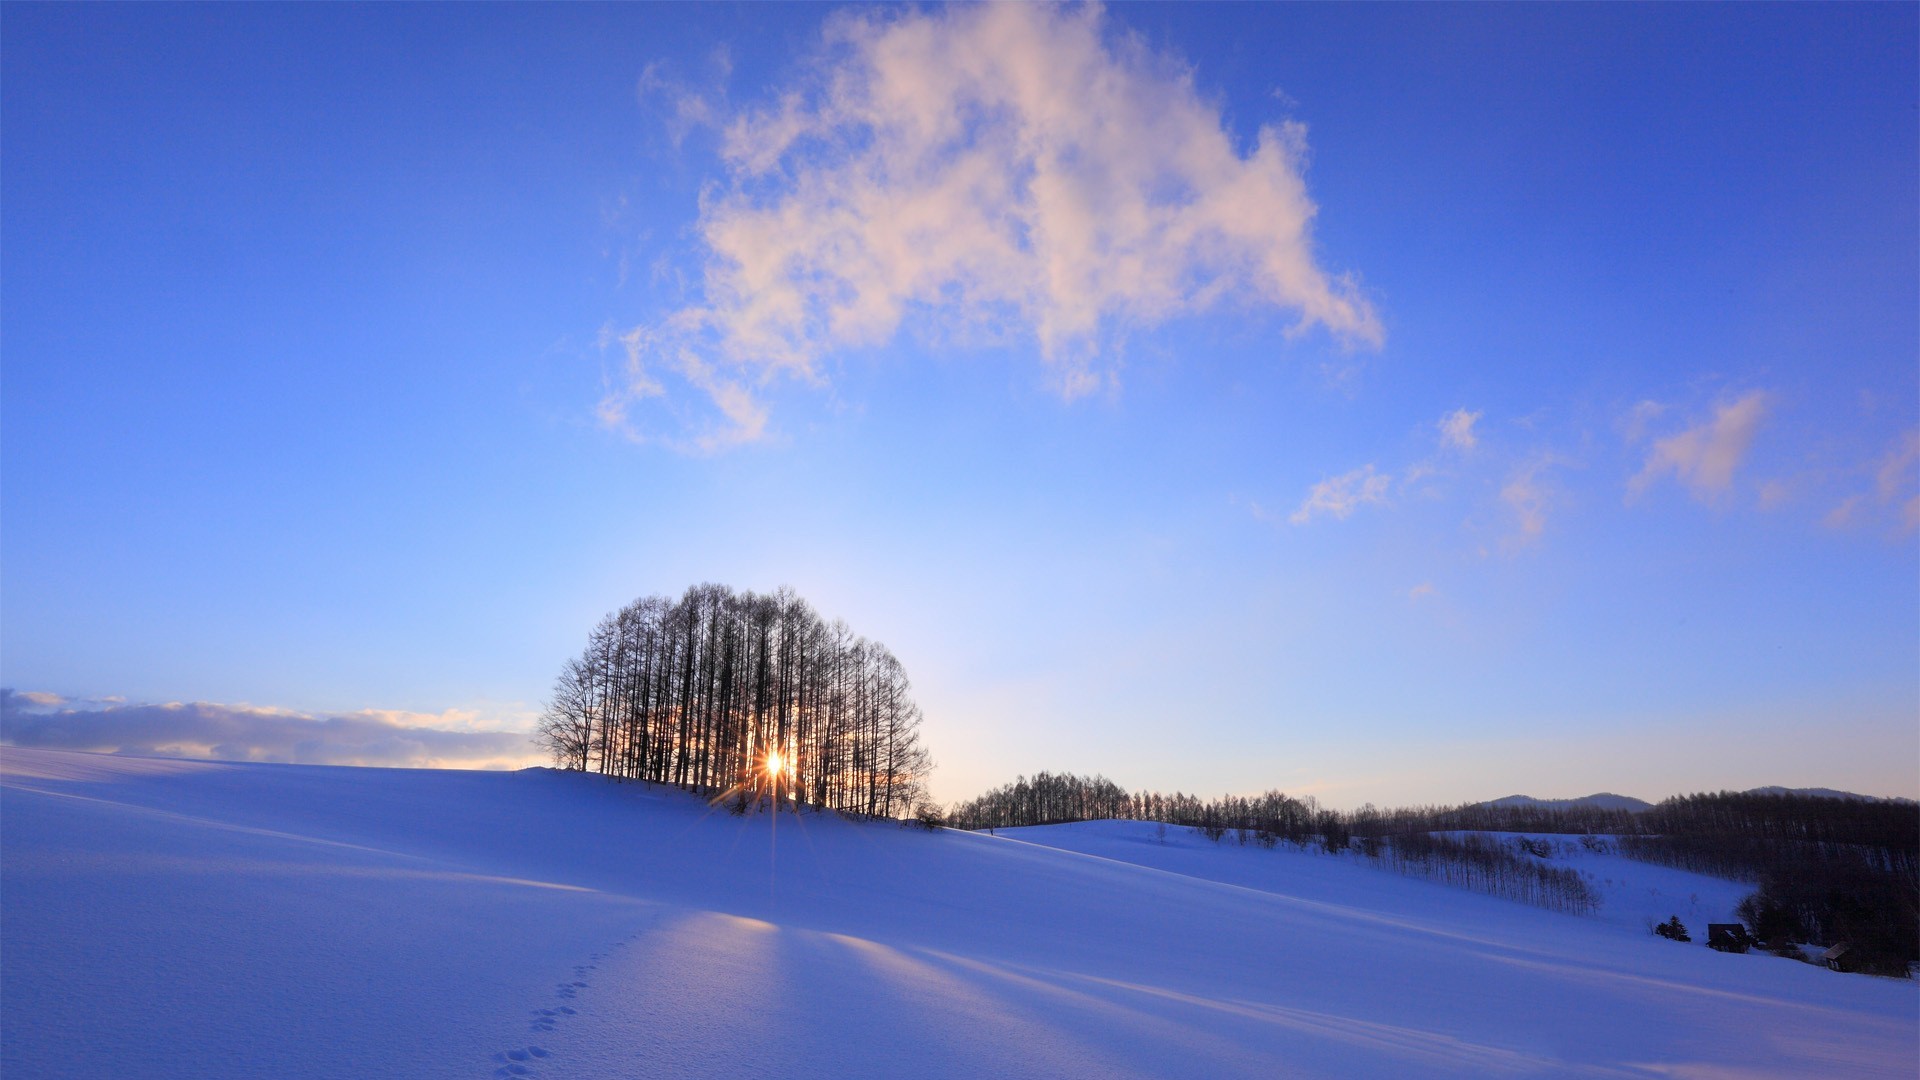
{"x":193,"y":919}
{"x":1633,"y":894}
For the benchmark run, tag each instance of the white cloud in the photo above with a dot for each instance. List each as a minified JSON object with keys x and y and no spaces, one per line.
{"x":976,"y":171}
{"x":1421,"y":591}
{"x":1338,"y":496}
{"x":39,"y":698}
{"x":1635,"y":423}
{"x":1844,"y":513}
{"x":1261,"y":513}
{"x":1705,"y":456}
{"x":1456,"y":430}
{"x":1896,"y":475}
{"x":1528,"y":496}
{"x":1774,"y":494}
{"x":254,"y":733}
{"x":1894,"y":479}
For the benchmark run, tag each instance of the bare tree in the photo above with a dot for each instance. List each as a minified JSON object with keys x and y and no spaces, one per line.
{"x":745,"y":694}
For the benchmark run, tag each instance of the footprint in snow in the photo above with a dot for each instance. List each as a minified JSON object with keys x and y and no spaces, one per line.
{"x":513,"y":1062}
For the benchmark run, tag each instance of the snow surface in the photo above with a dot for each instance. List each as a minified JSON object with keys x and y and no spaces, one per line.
{"x":1634,"y":895}
{"x":196,"y":919}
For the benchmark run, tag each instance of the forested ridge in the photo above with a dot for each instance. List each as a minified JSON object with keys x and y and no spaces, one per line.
{"x":744,"y":695}
{"x":1053,"y":798}
{"x":1827,"y":869}
{"x":1406,"y":841}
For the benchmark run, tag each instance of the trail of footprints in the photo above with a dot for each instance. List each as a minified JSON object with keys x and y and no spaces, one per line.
{"x":520,"y":1060}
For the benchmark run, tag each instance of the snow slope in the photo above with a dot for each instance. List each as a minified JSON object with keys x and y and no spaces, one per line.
{"x":1633,"y":895}
{"x":195,"y":919}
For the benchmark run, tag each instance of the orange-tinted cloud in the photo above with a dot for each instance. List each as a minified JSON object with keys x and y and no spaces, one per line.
{"x":996,"y":172}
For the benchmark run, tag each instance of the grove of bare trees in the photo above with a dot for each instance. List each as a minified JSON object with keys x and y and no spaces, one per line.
{"x":744,"y":695}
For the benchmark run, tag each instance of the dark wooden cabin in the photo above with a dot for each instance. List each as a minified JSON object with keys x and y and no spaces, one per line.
{"x":1839,"y":958}
{"x":1728,"y":937}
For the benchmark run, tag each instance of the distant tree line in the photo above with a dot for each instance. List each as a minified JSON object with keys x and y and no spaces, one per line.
{"x":1485,"y":817}
{"x":1054,"y":798}
{"x":1733,"y":833}
{"x":1408,"y":841}
{"x":1828,"y":870}
{"x":1047,"y":799}
{"x":741,"y":694}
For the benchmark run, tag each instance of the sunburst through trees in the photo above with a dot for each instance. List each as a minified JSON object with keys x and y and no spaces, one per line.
{"x":738,"y":693}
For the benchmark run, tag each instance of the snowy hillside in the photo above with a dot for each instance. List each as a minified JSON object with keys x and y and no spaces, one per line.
{"x":194,"y":919}
{"x":1632,"y":894}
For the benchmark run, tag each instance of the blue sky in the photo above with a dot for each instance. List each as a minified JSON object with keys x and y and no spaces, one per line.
{"x":1391,"y":404}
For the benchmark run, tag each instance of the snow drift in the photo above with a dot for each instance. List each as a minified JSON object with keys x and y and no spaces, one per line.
{"x":195,"y":919}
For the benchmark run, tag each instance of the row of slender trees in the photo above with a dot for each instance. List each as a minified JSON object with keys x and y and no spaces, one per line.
{"x":1053,"y":798}
{"x":1047,"y":799}
{"x":1484,"y":864}
{"x":1408,"y":841}
{"x":741,"y":694}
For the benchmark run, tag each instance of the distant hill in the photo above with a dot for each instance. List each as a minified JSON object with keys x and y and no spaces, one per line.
{"x":1607,"y":800}
{"x":1821,"y":793}
{"x":1604,"y":800}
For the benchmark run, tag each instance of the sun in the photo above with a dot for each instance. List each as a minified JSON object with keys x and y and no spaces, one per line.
{"x":773,"y":763}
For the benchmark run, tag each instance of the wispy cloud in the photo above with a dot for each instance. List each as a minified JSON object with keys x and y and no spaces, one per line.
{"x":1638,"y":419}
{"x":37,"y":699}
{"x":1895,"y":491}
{"x":975,"y":171}
{"x":1705,"y":456}
{"x":1259,"y":511}
{"x":1845,"y":513}
{"x":252,"y":733}
{"x":1456,"y":430}
{"x":1338,"y":497}
{"x":1774,"y":494}
{"x":1894,"y":480}
{"x":1528,"y":496}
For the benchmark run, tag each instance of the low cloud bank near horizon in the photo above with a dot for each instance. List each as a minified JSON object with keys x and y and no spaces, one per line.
{"x":974,"y":173}
{"x":219,"y":732}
